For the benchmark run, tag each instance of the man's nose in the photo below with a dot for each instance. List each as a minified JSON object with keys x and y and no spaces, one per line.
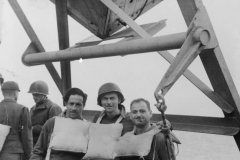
{"x":138,"y":114}
{"x":74,"y":107}
{"x":109,"y":101}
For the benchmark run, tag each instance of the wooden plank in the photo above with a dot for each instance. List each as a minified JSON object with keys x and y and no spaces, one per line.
{"x":33,"y":37}
{"x":114,"y":25}
{"x":76,"y":15}
{"x":210,"y":125}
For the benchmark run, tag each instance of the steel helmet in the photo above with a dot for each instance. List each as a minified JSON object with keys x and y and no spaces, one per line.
{"x":107,"y":88}
{"x":1,"y":79}
{"x":10,"y":85}
{"x":39,"y":87}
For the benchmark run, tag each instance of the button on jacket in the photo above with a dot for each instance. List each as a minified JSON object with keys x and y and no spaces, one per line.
{"x":40,"y":113}
{"x":19,"y":139}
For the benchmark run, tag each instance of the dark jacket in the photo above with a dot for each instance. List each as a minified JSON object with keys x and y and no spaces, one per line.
{"x":40,"y":114}
{"x":19,"y":140}
{"x":40,"y":149}
{"x":126,"y":121}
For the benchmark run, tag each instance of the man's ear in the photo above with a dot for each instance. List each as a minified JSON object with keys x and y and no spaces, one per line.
{"x":151,"y":113}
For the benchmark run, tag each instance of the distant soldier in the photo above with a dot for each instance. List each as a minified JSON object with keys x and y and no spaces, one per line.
{"x":44,"y":108}
{"x":18,"y":143}
{"x":1,"y":82}
{"x":1,"y":79}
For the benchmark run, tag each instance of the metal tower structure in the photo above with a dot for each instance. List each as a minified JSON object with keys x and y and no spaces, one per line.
{"x":104,"y":17}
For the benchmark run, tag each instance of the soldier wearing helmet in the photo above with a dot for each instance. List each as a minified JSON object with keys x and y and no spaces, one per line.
{"x":18,"y":143}
{"x":44,"y":108}
{"x":110,"y":97}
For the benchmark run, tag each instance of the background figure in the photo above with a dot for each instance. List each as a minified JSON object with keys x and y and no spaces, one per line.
{"x":1,"y":82}
{"x":75,"y":100}
{"x":18,"y":144}
{"x":44,"y":108}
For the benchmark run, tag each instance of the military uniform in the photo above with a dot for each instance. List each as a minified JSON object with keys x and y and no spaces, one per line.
{"x":40,"y":113}
{"x":18,"y":144}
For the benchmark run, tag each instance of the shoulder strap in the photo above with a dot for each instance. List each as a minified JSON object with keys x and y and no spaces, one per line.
{"x":100,"y":116}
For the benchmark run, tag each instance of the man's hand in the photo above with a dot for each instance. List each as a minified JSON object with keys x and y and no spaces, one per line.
{"x":160,"y":124}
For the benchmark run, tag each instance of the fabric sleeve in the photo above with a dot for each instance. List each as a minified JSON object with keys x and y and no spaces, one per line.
{"x":40,"y":149}
{"x":161,"y":148}
{"x":95,"y":118}
{"x":26,"y":133}
{"x":55,"y":110}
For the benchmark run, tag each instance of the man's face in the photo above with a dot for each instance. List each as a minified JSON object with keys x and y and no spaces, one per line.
{"x":74,"y":106}
{"x":38,"y":97}
{"x":140,"y":114}
{"x":110,"y":102}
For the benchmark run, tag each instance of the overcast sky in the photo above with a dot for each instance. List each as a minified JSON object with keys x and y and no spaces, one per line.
{"x":137,"y":75}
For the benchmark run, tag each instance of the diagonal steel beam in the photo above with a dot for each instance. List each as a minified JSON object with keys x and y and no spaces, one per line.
{"x":33,"y":37}
{"x":215,"y":65}
{"x":167,"y":56}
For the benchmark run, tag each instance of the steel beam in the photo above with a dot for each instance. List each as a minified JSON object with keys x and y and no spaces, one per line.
{"x":215,"y":66}
{"x":167,"y":56}
{"x":210,"y":125}
{"x":33,"y":37}
{"x":63,"y":36}
{"x":173,"y":41}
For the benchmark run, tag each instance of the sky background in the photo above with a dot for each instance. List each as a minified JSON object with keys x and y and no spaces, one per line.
{"x":137,"y":75}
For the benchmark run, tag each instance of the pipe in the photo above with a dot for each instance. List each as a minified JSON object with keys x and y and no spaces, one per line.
{"x":173,"y":41}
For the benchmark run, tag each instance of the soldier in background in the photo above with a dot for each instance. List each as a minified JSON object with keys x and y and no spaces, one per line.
{"x":1,"y":82}
{"x":44,"y":108}
{"x":18,"y":144}
{"x":1,"y":79}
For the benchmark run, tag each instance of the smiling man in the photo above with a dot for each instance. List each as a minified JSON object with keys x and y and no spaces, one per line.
{"x":75,"y":100}
{"x":110,"y":97}
{"x":140,"y":116}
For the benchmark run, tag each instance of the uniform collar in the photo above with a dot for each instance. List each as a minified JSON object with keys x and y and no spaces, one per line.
{"x":8,"y":100}
{"x":122,"y":112}
{"x":64,"y":114}
{"x":153,"y":127}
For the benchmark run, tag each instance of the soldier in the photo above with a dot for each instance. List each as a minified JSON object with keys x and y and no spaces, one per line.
{"x":44,"y":108}
{"x":111,"y":98}
{"x":18,"y":143}
{"x":75,"y":100}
